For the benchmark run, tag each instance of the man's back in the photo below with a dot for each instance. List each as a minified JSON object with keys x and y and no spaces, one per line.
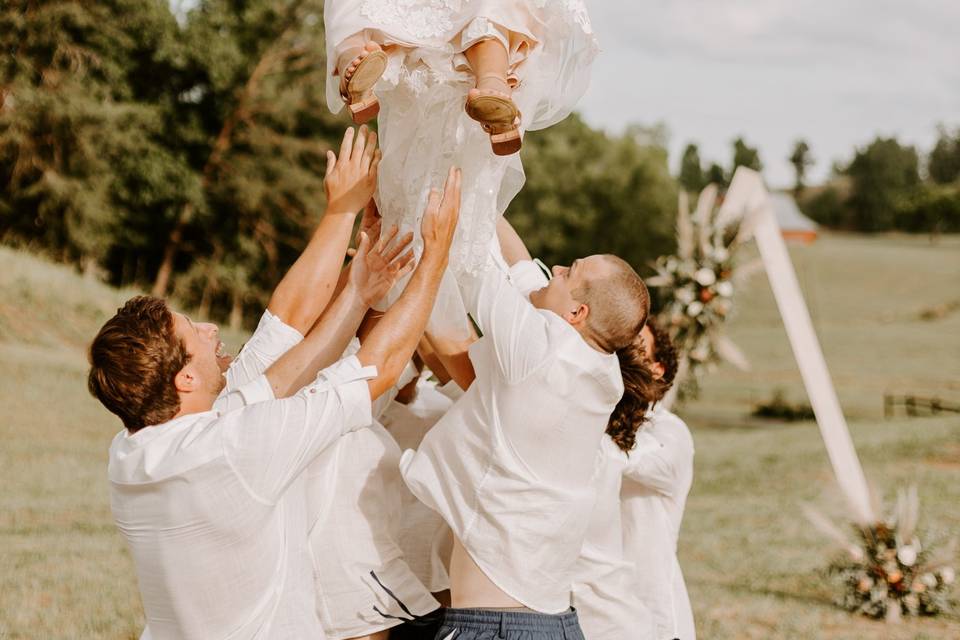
{"x":510,"y":466}
{"x":215,"y":562}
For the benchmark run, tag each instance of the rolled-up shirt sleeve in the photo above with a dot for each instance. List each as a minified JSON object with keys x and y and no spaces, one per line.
{"x":271,"y":339}
{"x":503,"y":313}
{"x":269,"y":443}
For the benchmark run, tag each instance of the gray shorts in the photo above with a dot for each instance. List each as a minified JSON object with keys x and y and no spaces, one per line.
{"x":485,"y":624}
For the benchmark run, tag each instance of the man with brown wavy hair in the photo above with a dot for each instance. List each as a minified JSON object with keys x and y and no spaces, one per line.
{"x":207,"y":478}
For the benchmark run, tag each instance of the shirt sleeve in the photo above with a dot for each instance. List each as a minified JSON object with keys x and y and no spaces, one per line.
{"x":517,"y":329}
{"x":270,"y":443}
{"x":271,"y":339}
{"x":658,"y":461}
{"x":257,"y":390}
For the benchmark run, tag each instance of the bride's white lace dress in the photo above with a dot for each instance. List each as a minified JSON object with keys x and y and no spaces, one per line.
{"x":422,"y":124}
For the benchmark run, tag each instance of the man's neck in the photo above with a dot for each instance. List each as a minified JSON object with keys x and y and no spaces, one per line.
{"x":194,"y":403}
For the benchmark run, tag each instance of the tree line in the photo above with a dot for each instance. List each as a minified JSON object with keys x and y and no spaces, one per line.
{"x":885,"y":186}
{"x":186,"y":156}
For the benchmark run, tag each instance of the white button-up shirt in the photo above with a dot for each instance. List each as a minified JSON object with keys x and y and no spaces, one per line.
{"x":212,"y":504}
{"x":656,"y":481}
{"x":605,"y":581}
{"x":510,"y":466}
{"x":355,"y":501}
{"x":423,"y":535}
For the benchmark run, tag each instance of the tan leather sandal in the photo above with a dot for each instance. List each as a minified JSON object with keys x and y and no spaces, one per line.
{"x":498,"y":115}
{"x":356,"y":87}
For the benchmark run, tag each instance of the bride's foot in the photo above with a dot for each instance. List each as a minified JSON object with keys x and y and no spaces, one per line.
{"x":491,"y":104}
{"x":360,"y":69}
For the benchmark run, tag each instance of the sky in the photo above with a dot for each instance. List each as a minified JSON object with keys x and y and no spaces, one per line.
{"x":836,"y":73}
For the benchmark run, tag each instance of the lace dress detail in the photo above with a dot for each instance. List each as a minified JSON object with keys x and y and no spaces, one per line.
{"x":424,"y":19}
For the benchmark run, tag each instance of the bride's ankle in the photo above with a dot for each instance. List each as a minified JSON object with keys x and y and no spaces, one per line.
{"x":494,"y":82}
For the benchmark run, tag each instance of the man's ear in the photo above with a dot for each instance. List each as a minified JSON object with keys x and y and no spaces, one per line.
{"x":657,"y":370}
{"x":186,"y":380}
{"x":579,"y":315}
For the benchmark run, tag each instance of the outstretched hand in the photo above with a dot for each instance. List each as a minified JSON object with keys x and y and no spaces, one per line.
{"x":440,"y":219}
{"x":351,"y":178}
{"x":377,"y":266}
{"x":370,"y":224}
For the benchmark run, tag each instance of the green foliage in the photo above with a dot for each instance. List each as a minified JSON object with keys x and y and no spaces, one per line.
{"x":587,"y":192}
{"x":745,"y":156}
{"x":801,"y":159}
{"x":944,"y":162}
{"x":189,"y":158}
{"x":691,"y":176}
{"x":779,"y":408}
{"x":881,"y":190}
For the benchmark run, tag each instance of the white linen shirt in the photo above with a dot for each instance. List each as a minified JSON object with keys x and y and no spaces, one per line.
{"x":355,"y":500}
{"x":212,"y":504}
{"x":605,"y":582}
{"x":423,"y":533}
{"x":510,"y":466}
{"x":657,"y":479}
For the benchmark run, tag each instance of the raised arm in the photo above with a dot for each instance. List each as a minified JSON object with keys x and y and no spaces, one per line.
{"x":372,"y":273}
{"x":392,"y":342}
{"x":511,"y":244}
{"x":349,"y":182}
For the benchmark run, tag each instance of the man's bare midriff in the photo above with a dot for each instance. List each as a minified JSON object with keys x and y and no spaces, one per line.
{"x":470,"y":587}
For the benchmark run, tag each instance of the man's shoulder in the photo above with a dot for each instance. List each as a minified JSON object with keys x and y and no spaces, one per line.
{"x":165,"y":450}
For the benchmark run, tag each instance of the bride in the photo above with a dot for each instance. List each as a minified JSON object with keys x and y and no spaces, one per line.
{"x":429,"y":69}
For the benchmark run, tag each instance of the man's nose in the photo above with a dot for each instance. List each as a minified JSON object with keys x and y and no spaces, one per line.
{"x":557,"y":270}
{"x":212,"y":330}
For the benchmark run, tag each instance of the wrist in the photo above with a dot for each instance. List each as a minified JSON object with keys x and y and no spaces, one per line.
{"x":434,"y":258}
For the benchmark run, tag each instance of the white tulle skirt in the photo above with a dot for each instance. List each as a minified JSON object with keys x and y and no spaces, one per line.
{"x":422,"y":123}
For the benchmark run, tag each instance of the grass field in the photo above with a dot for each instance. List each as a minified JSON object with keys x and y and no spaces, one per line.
{"x":750,"y":558}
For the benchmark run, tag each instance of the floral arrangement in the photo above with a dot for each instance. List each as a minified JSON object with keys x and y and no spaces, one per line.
{"x":697,"y":287}
{"x":885,"y":572}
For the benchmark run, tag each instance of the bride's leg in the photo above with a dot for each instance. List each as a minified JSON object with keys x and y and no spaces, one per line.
{"x":490,"y":102}
{"x":360,"y":64}
{"x":489,"y":61}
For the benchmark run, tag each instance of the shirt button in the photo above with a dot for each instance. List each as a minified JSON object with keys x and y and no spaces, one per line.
{"x":313,"y":390}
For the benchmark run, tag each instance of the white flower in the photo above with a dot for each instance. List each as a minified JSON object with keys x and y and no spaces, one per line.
{"x":724,"y":288}
{"x":720,"y":254}
{"x":907,"y":555}
{"x":695,"y":308}
{"x":948,"y":575}
{"x":700,"y":354}
{"x":685,"y":295}
{"x":705,"y":277}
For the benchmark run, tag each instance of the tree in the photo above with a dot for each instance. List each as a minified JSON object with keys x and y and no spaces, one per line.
{"x":944,"y":161}
{"x":587,"y":192}
{"x":691,"y":171}
{"x":884,"y":175}
{"x":745,"y":156}
{"x":716,"y":175}
{"x":801,"y":159}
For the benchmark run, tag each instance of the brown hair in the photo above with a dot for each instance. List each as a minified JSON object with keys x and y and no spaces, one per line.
{"x":640,"y":388}
{"x":619,"y":304}
{"x":133,"y":362}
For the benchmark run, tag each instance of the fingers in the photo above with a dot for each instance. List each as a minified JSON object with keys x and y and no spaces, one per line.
{"x":366,"y":161}
{"x":375,"y":164}
{"x":451,"y":191}
{"x":347,"y":145}
{"x":385,"y":241}
{"x":359,"y":144}
{"x":363,"y":246}
{"x":371,"y":210}
{"x":331,"y":162}
{"x":398,"y":247}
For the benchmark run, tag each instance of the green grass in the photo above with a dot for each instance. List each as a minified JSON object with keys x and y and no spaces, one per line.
{"x":751,"y":560}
